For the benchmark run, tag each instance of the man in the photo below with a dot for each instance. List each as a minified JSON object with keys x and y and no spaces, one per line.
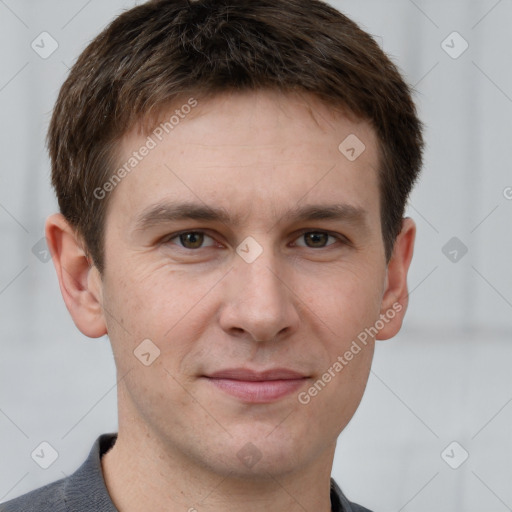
{"x":232,"y":177}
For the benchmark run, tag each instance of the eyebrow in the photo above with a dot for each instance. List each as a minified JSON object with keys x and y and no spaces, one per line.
{"x":339,"y":211}
{"x":165,"y":212}
{"x":162,"y":213}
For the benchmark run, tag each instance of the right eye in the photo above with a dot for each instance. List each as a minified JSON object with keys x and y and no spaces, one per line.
{"x":192,"y":240}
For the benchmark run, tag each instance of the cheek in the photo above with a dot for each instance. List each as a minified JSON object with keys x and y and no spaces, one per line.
{"x":331,"y":400}
{"x":346,"y":299}
{"x":166,"y":306}
{"x":353,"y":306}
{"x":152,"y":292}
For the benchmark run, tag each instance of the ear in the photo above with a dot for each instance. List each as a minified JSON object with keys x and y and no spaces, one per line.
{"x":79,"y":280}
{"x":396,"y":296}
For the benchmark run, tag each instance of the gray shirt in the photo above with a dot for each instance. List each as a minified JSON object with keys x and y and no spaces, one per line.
{"x":85,"y":490}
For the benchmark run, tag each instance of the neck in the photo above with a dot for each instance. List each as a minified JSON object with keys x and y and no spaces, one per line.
{"x":141,"y":474}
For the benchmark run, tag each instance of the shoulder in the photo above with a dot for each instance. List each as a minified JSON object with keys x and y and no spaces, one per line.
{"x":358,"y":508}
{"x":51,"y":497}
{"x":84,"y":490}
{"x":340,"y":503}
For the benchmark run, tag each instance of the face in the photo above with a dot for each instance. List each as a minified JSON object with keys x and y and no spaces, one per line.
{"x":248,"y":249}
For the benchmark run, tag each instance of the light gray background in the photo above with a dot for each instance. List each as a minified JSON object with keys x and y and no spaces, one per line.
{"x":446,"y":377}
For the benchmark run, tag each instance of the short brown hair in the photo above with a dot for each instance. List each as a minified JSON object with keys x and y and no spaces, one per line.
{"x":157,"y":52}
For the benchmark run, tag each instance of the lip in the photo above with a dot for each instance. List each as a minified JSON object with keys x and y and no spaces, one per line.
{"x":257,"y":386}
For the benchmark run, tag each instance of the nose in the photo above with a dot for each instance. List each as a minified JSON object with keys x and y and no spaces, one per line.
{"x":259,"y":304}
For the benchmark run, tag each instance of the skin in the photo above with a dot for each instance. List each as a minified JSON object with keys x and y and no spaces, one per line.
{"x":257,"y":156}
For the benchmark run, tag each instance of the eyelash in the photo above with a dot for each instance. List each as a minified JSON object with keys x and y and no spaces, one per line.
{"x":339,"y":238}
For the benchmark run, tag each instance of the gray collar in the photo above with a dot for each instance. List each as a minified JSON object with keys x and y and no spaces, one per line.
{"x":88,"y":481}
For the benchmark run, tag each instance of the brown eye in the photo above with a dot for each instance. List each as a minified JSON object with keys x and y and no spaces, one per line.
{"x":192,"y":240}
{"x":316,"y":239}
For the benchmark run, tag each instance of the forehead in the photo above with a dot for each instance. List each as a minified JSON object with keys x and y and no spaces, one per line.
{"x":255,"y":154}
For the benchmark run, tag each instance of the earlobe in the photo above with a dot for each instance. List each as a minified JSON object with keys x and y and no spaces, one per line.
{"x":80,"y":282}
{"x":395,"y":298}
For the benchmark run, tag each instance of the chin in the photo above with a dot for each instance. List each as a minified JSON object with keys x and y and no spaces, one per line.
{"x":256,"y":454}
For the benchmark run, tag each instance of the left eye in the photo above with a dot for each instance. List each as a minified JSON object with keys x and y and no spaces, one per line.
{"x":193,"y":240}
{"x":315,"y":239}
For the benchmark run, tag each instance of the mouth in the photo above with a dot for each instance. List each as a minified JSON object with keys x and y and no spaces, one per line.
{"x":257,"y":387}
